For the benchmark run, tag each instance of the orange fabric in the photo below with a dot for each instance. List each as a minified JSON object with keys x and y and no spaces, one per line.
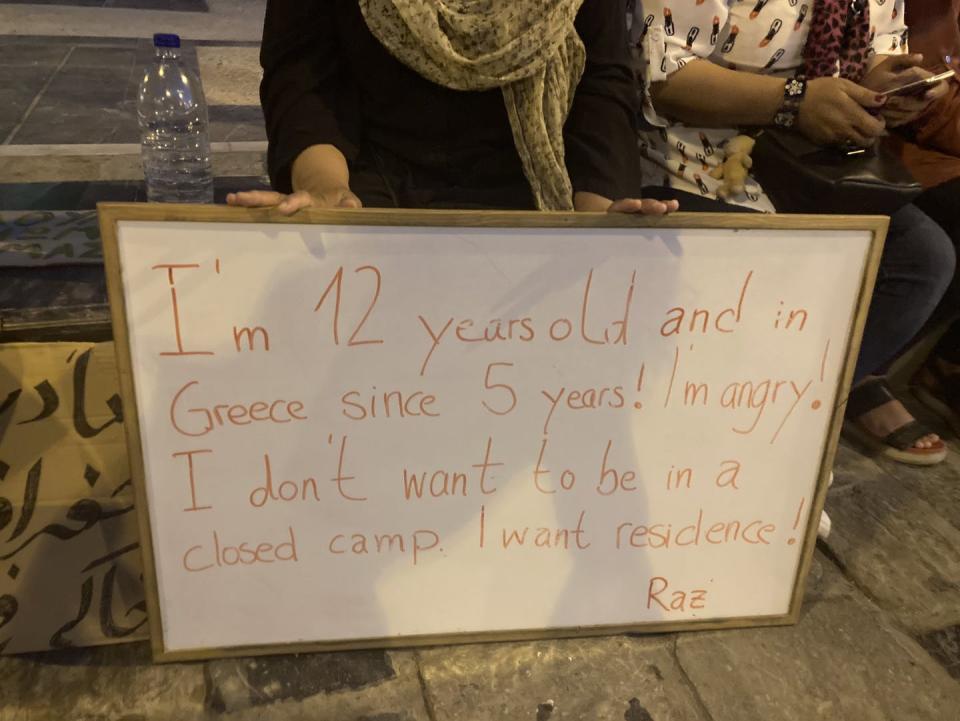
{"x":932,"y":152}
{"x":931,"y":30}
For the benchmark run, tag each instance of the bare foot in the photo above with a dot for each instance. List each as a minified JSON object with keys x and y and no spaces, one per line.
{"x":884,"y":420}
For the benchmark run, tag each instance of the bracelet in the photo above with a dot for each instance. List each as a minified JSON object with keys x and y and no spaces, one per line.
{"x":793,"y":91}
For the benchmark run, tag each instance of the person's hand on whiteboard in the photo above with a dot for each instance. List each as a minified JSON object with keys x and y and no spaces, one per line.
{"x":593,"y":203}
{"x":320,"y":177}
{"x":644,"y":206}
{"x":290,"y":204}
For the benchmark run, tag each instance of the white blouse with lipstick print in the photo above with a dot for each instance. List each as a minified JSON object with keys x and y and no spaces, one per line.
{"x":757,"y":36}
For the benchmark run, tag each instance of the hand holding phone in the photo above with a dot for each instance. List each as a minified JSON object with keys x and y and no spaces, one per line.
{"x":905,"y":87}
{"x":918,"y":87}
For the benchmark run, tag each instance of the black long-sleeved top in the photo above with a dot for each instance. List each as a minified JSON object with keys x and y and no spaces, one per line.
{"x":327,"y":80}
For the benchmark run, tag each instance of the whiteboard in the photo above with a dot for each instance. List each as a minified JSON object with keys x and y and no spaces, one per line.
{"x":363,"y":432}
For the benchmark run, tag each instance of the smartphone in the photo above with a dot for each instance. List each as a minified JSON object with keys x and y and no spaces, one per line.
{"x":919,"y":87}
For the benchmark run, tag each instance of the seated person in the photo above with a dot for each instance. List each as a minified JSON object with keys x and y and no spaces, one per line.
{"x":517,"y":105}
{"x":930,"y":147}
{"x":715,"y":66}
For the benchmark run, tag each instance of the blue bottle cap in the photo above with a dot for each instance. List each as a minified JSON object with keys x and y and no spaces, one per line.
{"x":166,"y":40}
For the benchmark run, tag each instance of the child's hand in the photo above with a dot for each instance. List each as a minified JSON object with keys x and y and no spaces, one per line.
{"x":593,"y":203}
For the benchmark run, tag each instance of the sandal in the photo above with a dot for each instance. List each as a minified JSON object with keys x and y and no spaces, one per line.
{"x":897,"y":445}
{"x":938,"y":391}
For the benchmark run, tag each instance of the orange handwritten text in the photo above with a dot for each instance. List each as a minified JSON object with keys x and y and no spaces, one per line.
{"x":696,"y":533}
{"x":196,"y":421}
{"x":175,"y":305}
{"x":465,"y":331}
{"x":285,"y":490}
{"x":724,"y":321}
{"x":219,"y":555}
{"x":192,"y":479}
{"x":611,"y":480}
{"x":541,"y":475}
{"x":585,"y":328}
{"x":336,"y":285}
{"x":659,"y":593}
{"x":448,"y":483}
{"x":362,"y":544}
{"x":388,"y":404}
{"x":251,"y":335}
{"x":543,"y":537}
{"x":582,"y":399}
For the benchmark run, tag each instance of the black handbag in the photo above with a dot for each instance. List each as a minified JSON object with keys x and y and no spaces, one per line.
{"x":802,"y":177}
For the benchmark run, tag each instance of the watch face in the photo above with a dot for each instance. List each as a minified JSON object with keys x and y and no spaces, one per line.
{"x":794,"y":87}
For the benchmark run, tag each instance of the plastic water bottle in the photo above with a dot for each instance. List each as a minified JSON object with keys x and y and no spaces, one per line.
{"x":175,"y":147}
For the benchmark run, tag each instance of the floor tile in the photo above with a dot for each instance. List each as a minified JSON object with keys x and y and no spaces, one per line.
{"x":841,"y":662}
{"x":109,"y":682}
{"x":170,"y":5}
{"x":250,"y":682}
{"x":73,"y":3}
{"x":92,"y":99}
{"x":899,"y":549}
{"x":227,"y":20}
{"x":85,"y":195}
{"x":17,"y":92}
{"x":24,"y":40}
{"x":617,"y":677}
{"x":25,"y":71}
{"x":236,"y":123}
{"x":47,"y":53}
{"x":95,"y":56}
{"x":944,"y":646}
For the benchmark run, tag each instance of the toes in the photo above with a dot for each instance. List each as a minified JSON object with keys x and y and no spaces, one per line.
{"x":927,"y":442}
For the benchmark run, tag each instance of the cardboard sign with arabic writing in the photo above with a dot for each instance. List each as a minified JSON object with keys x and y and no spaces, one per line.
{"x":69,"y":552}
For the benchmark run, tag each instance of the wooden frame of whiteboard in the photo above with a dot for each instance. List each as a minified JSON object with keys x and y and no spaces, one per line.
{"x":112,"y":213}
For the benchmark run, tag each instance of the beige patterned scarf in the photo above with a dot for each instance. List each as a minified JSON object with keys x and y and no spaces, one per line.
{"x":528,"y":49}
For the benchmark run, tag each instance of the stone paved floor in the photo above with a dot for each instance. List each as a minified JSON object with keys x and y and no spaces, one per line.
{"x":222,"y":20}
{"x":879,"y":640}
{"x":63,"y":90}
